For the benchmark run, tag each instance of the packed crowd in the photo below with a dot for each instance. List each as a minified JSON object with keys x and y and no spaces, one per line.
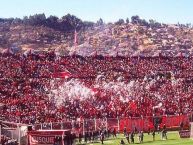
{"x":38,"y":88}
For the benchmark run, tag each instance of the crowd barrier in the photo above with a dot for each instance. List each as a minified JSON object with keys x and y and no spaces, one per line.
{"x":84,"y":125}
{"x":143,"y":123}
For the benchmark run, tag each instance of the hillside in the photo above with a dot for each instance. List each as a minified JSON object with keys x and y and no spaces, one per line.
{"x":125,"y":38}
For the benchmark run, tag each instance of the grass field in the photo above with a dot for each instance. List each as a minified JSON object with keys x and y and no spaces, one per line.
{"x":173,"y":139}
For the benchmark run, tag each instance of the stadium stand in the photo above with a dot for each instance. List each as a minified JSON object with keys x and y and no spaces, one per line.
{"x":114,"y":87}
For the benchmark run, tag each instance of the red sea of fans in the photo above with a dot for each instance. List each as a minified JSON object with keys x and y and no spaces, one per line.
{"x":24,"y":80}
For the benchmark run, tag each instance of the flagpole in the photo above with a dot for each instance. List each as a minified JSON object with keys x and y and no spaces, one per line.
{"x":75,"y":38}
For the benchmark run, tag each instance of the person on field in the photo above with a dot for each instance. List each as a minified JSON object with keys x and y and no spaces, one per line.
{"x":122,"y":142}
{"x":114,"y":133}
{"x":153,"y":135}
{"x":102,"y":137}
{"x":132,"y":137}
{"x":181,"y":126}
{"x":80,"y":137}
{"x":140,"y":136}
{"x":125,"y":131}
{"x":128,"y":137}
{"x":164,"y":132}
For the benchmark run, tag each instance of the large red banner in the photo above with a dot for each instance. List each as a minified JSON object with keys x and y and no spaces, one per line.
{"x":173,"y":121}
{"x":148,"y":123}
{"x":139,"y":124}
{"x":43,"y":137}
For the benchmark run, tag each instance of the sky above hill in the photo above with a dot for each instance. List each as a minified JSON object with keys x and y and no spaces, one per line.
{"x":167,"y":11}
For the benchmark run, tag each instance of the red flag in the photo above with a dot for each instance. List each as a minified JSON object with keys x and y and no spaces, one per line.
{"x":133,"y":106}
{"x":62,"y":75}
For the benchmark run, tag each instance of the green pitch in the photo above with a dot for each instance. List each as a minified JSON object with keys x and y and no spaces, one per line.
{"x":173,"y":139}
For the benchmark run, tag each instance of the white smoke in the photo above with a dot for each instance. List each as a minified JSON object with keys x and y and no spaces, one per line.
{"x":74,"y":89}
{"x":121,"y":90}
{"x":68,"y":90}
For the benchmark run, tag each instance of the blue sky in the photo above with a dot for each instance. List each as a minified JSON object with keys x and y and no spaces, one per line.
{"x":167,"y":11}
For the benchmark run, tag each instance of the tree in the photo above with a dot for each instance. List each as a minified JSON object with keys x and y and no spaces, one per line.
{"x":100,"y":22}
{"x":120,"y":22}
{"x":144,"y":22}
{"x":1,"y":20}
{"x":37,"y":19}
{"x":17,"y":21}
{"x":87,"y":24}
{"x":26,"y":20}
{"x":71,"y":22}
{"x":52,"y":22}
{"x":152,"y":22}
{"x":135,"y":19}
{"x":188,"y":25}
{"x":8,"y":20}
{"x":127,"y":20}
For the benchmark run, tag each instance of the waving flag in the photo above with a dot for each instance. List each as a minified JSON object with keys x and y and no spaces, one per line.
{"x":133,"y":106}
{"x":62,"y":75}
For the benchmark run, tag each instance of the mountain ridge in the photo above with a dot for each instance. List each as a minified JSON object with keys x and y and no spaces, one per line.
{"x":135,"y":37}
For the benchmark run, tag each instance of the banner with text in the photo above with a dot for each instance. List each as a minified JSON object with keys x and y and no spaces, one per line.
{"x":43,"y":137}
{"x":149,"y":123}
